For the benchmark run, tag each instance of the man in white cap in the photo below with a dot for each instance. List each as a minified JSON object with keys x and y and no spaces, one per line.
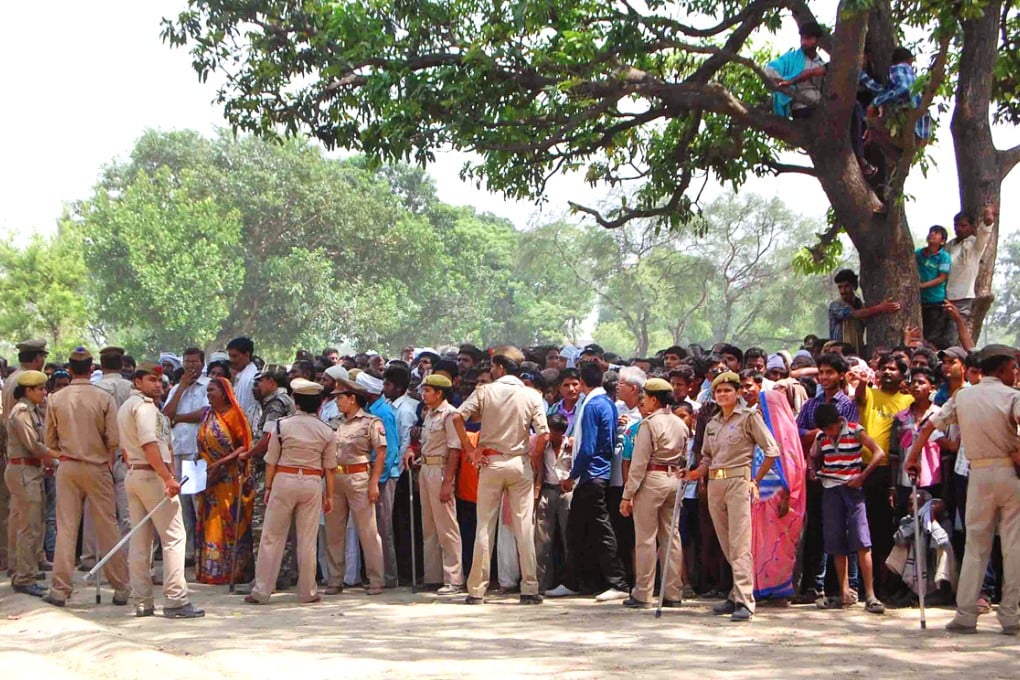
{"x":330,"y":412}
{"x":377,"y":406}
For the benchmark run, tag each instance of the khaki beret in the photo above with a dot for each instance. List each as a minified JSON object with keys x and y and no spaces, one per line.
{"x":726,"y":377}
{"x":510,"y":352}
{"x":34,"y":345}
{"x":657,"y":385}
{"x":436,"y":380}
{"x":304,"y":386}
{"x":993,"y":351}
{"x":81,"y":354}
{"x":149,"y":367}
{"x":31,"y":378}
{"x":112,"y":350}
{"x":343,"y":385}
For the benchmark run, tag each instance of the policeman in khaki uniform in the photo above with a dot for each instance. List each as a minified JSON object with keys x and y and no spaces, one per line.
{"x":302,"y":450}
{"x":81,"y":425}
{"x":24,"y":478}
{"x":988,"y":415}
{"x":31,"y":357}
{"x":660,"y":451}
{"x":357,"y":488}
{"x":270,"y":390}
{"x":726,"y":457}
{"x":145,"y":438}
{"x":440,"y":457}
{"x":507,"y":458}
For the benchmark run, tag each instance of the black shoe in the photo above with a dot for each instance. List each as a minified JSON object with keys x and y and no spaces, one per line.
{"x":243,"y":588}
{"x":34,"y":590}
{"x":188,"y":611}
{"x":120,"y":601}
{"x":142,"y":612}
{"x":673,"y":603}
{"x":471,"y":599}
{"x":741,"y":613}
{"x":531,"y":599}
{"x":723,"y":608}
{"x":49,"y":599}
{"x":636,"y":604}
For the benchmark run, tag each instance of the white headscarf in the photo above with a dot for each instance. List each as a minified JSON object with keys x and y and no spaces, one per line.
{"x":373,"y":385}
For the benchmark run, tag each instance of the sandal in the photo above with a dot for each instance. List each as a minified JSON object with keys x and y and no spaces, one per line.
{"x":874,"y":606}
{"x":829,"y":603}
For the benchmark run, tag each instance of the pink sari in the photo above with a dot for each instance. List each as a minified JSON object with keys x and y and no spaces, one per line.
{"x":777,"y":519}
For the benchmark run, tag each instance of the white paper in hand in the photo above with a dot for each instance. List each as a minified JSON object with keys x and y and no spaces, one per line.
{"x":195,"y":471}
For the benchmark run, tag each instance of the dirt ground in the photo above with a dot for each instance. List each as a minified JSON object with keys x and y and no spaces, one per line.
{"x":399,"y":634}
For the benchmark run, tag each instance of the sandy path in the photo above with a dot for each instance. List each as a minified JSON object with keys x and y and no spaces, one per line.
{"x":400,"y":635}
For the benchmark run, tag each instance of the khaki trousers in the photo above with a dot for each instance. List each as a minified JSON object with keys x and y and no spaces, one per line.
{"x":76,"y":482}
{"x":298,"y":498}
{"x":8,"y":532}
{"x":144,"y":490}
{"x":653,"y":521}
{"x":440,"y":531}
{"x":25,"y":484}
{"x":513,"y":475}
{"x":350,"y":495}
{"x":993,"y":498}
{"x":729,"y":503}
{"x":550,"y":525}
{"x":90,"y":553}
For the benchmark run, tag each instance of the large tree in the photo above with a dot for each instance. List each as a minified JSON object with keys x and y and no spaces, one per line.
{"x":654,"y":96}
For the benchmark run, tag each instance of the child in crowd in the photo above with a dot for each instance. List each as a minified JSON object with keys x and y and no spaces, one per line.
{"x":836,"y":461}
{"x":906,"y":426}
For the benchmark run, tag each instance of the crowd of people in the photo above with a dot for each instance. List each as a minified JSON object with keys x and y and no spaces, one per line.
{"x":558,"y":467}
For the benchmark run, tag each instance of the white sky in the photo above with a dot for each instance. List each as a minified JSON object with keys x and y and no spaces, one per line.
{"x":101,"y":76}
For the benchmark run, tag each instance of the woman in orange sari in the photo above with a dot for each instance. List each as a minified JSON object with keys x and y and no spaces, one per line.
{"x":223,"y":433}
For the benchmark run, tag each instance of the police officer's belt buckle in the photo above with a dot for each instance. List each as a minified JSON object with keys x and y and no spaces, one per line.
{"x":352,"y":469}
{"x":434,"y":460}
{"x":743,"y":472}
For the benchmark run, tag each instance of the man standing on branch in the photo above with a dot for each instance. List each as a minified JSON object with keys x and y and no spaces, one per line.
{"x":847,"y":314}
{"x":507,"y":411}
{"x":965,"y":252}
{"x":145,"y":438}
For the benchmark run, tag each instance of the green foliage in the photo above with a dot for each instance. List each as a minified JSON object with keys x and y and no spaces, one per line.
{"x":1005,"y":317}
{"x":42,"y":290}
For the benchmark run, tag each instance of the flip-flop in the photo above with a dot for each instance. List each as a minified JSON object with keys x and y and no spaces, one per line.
{"x":829,"y":603}
{"x":874,"y":606}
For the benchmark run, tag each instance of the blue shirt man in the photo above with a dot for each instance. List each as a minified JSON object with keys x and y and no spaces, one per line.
{"x":384,"y":412}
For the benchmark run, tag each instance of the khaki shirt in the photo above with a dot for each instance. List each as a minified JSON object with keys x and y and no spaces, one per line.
{"x":25,"y":431}
{"x":141,"y":422}
{"x":8,"y":394}
{"x":81,"y":422}
{"x":357,"y":437}
{"x":438,"y":434}
{"x":987,"y":414}
{"x":507,"y":410}
{"x":304,"y":441}
{"x":729,"y":442}
{"x":117,"y":386}
{"x":662,"y":440}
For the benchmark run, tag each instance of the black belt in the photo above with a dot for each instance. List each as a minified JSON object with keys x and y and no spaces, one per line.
{"x":551,"y":486}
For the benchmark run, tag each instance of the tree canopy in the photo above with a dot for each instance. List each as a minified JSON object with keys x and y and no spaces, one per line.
{"x":650,"y":98}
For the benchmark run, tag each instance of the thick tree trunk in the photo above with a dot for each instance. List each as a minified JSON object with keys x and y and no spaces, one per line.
{"x":978,"y":166}
{"x":883,"y":241}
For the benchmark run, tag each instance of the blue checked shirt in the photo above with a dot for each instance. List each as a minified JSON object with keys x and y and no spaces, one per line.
{"x":899,"y":92}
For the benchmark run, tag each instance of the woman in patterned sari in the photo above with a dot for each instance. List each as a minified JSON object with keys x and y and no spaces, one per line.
{"x":223,"y":433}
{"x":778,"y":517}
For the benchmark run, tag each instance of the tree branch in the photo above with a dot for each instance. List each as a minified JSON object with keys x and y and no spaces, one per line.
{"x":1008,"y":158}
{"x":786,"y":168}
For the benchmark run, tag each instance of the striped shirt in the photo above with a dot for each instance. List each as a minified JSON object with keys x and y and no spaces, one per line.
{"x":841,"y":459}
